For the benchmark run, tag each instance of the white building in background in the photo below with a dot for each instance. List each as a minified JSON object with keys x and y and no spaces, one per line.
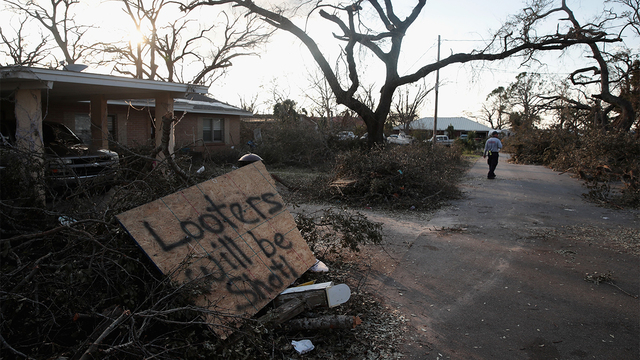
{"x":461,"y":125}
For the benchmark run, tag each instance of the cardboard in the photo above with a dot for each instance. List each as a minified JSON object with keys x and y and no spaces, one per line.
{"x":232,"y":236}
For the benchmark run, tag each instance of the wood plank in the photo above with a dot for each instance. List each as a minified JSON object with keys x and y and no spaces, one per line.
{"x":232,"y":235}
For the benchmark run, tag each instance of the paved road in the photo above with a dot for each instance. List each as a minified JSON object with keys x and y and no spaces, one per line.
{"x":501,"y":273}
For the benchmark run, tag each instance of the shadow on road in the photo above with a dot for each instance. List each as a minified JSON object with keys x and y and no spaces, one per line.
{"x":501,"y":273}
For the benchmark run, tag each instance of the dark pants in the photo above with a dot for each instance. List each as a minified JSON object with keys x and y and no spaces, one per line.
{"x":492,"y":160}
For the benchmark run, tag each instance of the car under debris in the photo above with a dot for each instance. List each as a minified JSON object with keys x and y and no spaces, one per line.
{"x":67,"y":160}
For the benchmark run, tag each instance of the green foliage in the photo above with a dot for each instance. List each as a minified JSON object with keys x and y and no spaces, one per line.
{"x":496,"y":108}
{"x":286,"y":111}
{"x":330,"y":231}
{"x":523,"y":95}
{"x":469,"y":145}
{"x":451,"y":131}
{"x":609,"y":162}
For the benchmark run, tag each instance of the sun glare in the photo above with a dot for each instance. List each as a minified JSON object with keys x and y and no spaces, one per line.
{"x":136,"y":37}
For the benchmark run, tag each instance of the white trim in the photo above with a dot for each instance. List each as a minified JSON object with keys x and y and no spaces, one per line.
{"x":185,"y":105}
{"x":48,"y":75}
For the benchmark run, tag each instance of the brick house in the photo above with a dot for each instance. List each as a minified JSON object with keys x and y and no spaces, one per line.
{"x":104,"y":108}
{"x":205,"y":124}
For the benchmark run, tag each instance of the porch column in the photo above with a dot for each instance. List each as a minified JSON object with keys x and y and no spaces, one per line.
{"x":164,"y":105}
{"x":28,"y":111}
{"x":99,"y":127}
{"x":29,"y":120}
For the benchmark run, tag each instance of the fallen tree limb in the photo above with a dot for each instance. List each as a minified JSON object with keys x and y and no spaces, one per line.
{"x":167,"y":121}
{"x":284,"y":312}
{"x":619,"y":288}
{"x":36,"y":267}
{"x":87,"y":354}
{"x":324,"y":322}
{"x":294,"y":301}
{"x":16,"y":352}
{"x":48,"y":232}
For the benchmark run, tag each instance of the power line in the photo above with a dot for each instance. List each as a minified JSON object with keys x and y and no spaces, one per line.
{"x":421,"y":56}
{"x":518,"y":72}
{"x":462,"y":40}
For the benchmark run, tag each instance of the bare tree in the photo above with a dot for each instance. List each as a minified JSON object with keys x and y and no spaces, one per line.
{"x":321,"y":96}
{"x":517,"y":37}
{"x":572,"y":107}
{"x":235,"y":43}
{"x":614,"y":74}
{"x":590,"y":109}
{"x":140,"y":54}
{"x":601,"y":73}
{"x":406,"y":105}
{"x":524,"y":96}
{"x":178,"y":46}
{"x":173,"y":51}
{"x":250,"y":105}
{"x":631,"y":14}
{"x":496,"y":108}
{"x":57,"y":19}
{"x":19,"y":49}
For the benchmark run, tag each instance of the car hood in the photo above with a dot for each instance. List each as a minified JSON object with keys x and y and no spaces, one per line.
{"x":75,"y":150}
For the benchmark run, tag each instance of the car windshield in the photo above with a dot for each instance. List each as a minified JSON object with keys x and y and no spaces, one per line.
{"x":54,"y":132}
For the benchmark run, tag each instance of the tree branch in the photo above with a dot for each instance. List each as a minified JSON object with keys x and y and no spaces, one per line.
{"x":87,"y":354}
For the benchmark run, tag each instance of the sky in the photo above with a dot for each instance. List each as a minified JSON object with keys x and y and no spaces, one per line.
{"x":284,"y":64}
{"x":462,"y":26}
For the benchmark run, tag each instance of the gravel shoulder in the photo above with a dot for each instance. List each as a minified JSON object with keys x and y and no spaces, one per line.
{"x":520,"y":268}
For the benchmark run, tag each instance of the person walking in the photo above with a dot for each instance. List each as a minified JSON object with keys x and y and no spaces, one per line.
{"x":492,"y":149}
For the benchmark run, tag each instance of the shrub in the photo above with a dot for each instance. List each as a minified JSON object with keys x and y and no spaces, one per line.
{"x":297,"y":144}
{"x":609,"y":162}
{"x":469,"y":145}
{"x":71,"y":279}
{"x":397,"y":177}
{"x":330,"y":230}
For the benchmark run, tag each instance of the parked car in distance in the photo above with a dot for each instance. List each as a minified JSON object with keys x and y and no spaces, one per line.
{"x":400,"y":139}
{"x":464,"y":137}
{"x":67,"y":160}
{"x":442,"y":140}
{"x":346,"y":135}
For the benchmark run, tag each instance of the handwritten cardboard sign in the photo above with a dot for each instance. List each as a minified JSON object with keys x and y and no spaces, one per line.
{"x":232,"y":236}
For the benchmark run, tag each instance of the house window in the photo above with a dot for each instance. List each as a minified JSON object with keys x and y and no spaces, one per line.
{"x":111,"y":126}
{"x":82,"y":127}
{"x":213,"y":130}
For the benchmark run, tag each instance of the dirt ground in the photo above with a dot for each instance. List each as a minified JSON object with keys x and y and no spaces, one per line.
{"x":520,"y":268}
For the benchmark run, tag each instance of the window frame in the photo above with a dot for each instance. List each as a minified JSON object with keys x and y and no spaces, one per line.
{"x":211,"y":135}
{"x":113,"y":129}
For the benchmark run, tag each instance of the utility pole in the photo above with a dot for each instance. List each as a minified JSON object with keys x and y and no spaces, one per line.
{"x":435,"y":116}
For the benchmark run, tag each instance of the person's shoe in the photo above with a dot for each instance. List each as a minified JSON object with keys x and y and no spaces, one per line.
{"x":491,"y":177}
